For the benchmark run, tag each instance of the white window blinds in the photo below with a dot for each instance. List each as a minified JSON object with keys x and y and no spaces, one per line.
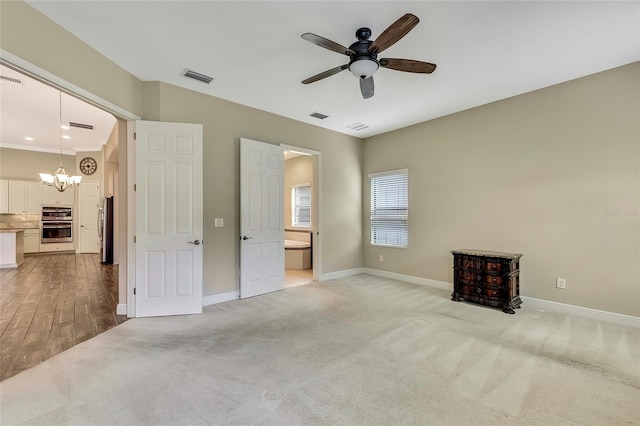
{"x":301,"y":205}
{"x":390,"y":208}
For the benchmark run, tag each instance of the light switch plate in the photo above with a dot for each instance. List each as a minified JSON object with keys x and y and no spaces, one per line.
{"x":219,"y":222}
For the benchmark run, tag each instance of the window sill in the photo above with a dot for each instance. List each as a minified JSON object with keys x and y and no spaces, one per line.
{"x":389,"y":246}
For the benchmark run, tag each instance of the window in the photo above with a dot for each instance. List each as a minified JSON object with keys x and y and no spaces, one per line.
{"x":301,"y":205}
{"x":390,"y":208}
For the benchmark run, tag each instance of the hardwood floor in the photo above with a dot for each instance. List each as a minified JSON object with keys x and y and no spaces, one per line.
{"x":52,"y":302}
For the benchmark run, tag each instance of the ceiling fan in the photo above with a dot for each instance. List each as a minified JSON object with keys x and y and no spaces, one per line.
{"x":363,"y":54}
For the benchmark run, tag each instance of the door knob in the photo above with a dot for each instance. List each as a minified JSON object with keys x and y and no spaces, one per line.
{"x":245,"y":238}
{"x":196,"y":242}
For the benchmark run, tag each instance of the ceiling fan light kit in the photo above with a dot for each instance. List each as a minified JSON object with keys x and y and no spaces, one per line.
{"x":363,"y":54}
{"x":364,"y":68}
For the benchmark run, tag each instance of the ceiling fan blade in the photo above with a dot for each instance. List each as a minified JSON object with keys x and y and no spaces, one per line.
{"x":393,"y":33}
{"x":325,"y":74}
{"x":408,"y":65}
{"x":327,"y":44}
{"x":366,"y":87}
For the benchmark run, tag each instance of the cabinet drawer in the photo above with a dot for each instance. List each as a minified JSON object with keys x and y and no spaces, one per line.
{"x":493,"y":266}
{"x":490,"y":292}
{"x":467,"y":262}
{"x":492,"y":279}
{"x":466,"y":275}
{"x":468,"y":289}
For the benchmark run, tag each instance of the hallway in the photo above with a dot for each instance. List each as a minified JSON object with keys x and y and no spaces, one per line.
{"x":52,"y":302}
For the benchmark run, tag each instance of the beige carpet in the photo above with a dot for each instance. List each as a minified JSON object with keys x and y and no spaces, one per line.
{"x":357,"y":351}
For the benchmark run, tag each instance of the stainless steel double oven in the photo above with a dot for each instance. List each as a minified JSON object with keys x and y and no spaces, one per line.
{"x":57,"y":224}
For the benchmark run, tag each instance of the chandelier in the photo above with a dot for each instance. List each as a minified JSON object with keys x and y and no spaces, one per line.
{"x":60,"y":180}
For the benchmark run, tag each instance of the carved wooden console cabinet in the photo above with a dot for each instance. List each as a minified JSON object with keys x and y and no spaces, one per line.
{"x":490,"y":278}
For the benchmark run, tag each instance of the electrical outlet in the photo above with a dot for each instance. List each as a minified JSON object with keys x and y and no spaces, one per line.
{"x":219,"y":222}
{"x":561,"y":283}
{"x":381,"y":258}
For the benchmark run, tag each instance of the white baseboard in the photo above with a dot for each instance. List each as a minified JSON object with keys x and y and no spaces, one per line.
{"x":442,"y":285}
{"x":612,"y":317}
{"x":121,"y":309}
{"x":341,"y":274}
{"x":219,"y":298}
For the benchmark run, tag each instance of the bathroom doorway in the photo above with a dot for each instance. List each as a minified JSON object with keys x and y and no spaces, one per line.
{"x":302,"y":219}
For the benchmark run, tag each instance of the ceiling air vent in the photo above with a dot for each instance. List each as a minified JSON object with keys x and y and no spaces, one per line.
{"x":197,"y":76}
{"x":80,"y":125}
{"x":11,"y":80}
{"x":358,"y":126}
{"x":318,"y":115}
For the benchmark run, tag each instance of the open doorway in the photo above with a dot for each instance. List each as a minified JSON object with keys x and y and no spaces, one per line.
{"x":301,"y":211}
{"x":60,"y":293}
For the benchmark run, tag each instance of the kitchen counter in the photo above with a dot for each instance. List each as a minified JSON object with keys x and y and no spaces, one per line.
{"x":11,"y":247}
{"x":10,"y":228}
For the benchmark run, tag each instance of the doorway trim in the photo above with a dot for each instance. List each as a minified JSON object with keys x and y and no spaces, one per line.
{"x":316,"y":211}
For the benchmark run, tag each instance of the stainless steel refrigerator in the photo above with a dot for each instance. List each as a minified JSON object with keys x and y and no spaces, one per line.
{"x":105,"y":230}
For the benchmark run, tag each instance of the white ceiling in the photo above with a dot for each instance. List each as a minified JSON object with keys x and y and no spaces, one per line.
{"x":485,"y":51}
{"x":32,"y":109}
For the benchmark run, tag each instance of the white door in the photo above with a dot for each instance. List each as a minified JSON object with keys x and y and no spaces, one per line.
{"x":261,"y":218}
{"x":87,"y":216}
{"x":168,"y":225}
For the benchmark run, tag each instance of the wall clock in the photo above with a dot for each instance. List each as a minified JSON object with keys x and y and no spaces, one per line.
{"x":88,"y":166}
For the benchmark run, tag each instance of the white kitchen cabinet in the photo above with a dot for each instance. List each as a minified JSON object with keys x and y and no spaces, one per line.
{"x":68,"y":196}
{"x":51,"y":196}
{"x":31,"y":240}
{"x":4,"y":196}
{"x":33,"y":191}
{"x":24,"y":197}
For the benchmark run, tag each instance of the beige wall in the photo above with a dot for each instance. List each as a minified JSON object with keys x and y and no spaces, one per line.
{"x":19,"y":164}
{"x":298,"y":170}
{"x":545,"y":174}
{"x":224,"y":124}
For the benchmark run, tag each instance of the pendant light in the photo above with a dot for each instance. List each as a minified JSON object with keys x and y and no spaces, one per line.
{"x":60,"y":180}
